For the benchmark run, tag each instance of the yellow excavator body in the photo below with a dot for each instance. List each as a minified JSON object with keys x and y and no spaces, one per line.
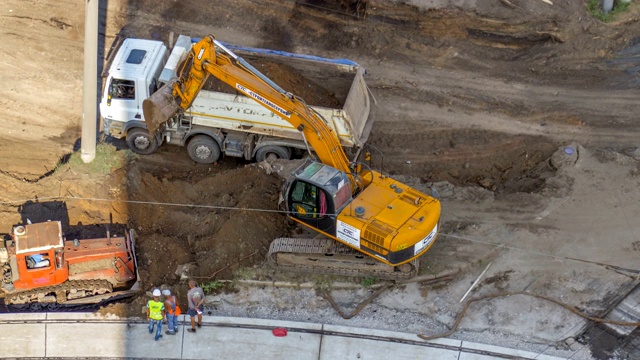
{"x":364,"y":210}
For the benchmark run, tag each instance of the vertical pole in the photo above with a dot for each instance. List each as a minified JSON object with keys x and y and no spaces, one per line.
{"x":90,"y":93}
{"x":607,"y":5}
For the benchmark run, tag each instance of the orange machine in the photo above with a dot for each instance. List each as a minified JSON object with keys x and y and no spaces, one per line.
{"x":347,"y":202}
{"x":40,"y":266}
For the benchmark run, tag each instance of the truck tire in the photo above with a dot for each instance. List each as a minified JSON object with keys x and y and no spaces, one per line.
{"x":273,"y":151}
{"x":203,"y":149}
{"x":141,"y":142}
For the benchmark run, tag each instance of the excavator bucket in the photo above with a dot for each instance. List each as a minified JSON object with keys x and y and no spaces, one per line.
{"x":161,"y":106}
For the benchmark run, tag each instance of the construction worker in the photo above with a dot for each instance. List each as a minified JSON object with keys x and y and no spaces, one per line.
{"x":155,"y":313}
{"x":195,"y":296}
{"x":172,"y":311}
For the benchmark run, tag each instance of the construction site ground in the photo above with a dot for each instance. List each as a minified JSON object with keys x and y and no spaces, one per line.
{"x":520,"y":115}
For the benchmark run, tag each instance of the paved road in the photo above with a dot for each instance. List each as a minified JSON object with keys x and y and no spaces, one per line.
{"x":74,"y":335}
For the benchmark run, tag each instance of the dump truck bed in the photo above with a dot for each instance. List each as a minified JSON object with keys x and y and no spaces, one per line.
{"x":335,"y":88}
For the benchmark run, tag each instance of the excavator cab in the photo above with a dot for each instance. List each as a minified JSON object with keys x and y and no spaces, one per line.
{"x":316,"y":194}
{"x":386,"y":219}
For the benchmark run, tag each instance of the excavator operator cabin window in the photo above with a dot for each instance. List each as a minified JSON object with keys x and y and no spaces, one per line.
{"x":122,"y":89}
{"x":308,"y":201}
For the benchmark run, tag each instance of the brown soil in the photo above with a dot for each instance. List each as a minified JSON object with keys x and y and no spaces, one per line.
{"x":216,"y":235}
{"x":292,"y":81}
{"x":479,"y":95}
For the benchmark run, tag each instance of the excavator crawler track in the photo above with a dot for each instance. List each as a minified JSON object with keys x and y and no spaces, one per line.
{"x":327,"y":256}
{"x":60,"y":294}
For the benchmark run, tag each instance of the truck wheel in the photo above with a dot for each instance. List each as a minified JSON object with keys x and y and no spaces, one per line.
{"x":203,"y":149}
{"x":141,"y":142}
{"x":273,"y":152}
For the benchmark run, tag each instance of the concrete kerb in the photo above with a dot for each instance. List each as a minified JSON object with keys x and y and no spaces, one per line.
{"x":23,"y":317}
{"x":384,"y":334}
{"x":252,"y":338}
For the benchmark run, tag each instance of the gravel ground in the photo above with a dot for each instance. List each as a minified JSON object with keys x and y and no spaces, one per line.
{"x":306,"y":305}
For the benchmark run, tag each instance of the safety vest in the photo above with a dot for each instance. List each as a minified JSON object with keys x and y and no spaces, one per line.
{"x":155,"y":309}
{"x":173,"y":309}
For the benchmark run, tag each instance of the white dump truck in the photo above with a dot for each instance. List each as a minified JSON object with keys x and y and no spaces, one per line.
{"x":223,"y":122}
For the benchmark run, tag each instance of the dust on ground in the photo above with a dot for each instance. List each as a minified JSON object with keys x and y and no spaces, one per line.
{"x":474,"y":99}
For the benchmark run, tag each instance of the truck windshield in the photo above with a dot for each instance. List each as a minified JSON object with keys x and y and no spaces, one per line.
{"x":122,"y":89}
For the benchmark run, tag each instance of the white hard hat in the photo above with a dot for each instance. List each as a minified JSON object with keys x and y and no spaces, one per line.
{"x":166,"y":292}
{"x":156,"y":292}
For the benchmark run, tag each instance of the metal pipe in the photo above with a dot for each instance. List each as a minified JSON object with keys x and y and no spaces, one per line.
{"x":476,"y":282}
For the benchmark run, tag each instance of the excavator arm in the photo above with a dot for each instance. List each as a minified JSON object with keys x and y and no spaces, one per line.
{"x":204,"y":61}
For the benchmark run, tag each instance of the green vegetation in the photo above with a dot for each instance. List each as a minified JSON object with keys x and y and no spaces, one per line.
{"x":211,"y":286}
{"x":244,"y":274}
{"x":368,"y":281}
{"x":595,"y":8}
{"x":107,"y":159}
{"x":323,"y":282}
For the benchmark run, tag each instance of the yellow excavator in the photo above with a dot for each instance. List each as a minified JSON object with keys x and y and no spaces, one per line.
{"x":355,"y":209}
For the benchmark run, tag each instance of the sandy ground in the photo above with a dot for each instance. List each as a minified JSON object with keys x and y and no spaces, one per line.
{"x":478,"y":100}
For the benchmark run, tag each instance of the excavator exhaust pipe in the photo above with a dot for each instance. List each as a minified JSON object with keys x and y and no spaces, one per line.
{"x":161,"y":106}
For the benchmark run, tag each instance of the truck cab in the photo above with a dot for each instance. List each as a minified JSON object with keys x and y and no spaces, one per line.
{"x":133,"y":77}
{"x":222,"y":121}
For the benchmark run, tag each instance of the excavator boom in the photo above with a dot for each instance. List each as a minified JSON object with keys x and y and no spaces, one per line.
{"x":204,"y":61}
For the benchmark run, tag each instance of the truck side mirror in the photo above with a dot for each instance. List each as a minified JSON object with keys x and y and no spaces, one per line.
{"x":113,"y":92}
{"x":110,"y":94}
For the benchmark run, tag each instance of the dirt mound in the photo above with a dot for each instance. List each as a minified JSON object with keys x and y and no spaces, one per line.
{"x":207,"y":222}
{"x":494,"y":161}
{"x":288,"y":78}
{"x":219,"y":222}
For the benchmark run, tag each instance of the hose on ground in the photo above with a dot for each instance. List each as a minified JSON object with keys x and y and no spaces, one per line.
{"x":325,"y":294}
{"x":511,"y":293}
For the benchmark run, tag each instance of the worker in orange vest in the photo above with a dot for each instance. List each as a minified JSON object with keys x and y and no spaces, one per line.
{"x":172,"y":310}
